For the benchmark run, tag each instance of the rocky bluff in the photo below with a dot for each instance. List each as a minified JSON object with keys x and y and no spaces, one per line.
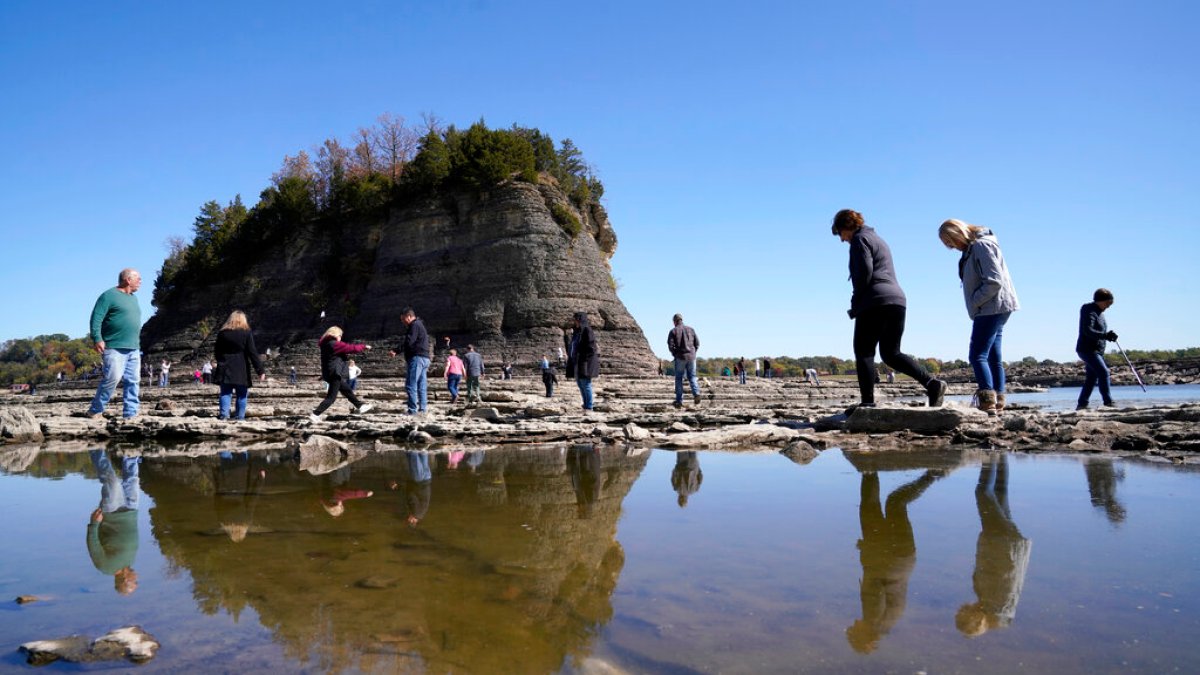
{"x":495,"y":268}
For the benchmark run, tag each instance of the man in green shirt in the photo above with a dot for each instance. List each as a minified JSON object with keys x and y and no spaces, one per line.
{"x":115,"y":328}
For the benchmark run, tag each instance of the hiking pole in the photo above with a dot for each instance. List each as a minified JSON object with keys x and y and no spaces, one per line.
{"x":1135,"y":373}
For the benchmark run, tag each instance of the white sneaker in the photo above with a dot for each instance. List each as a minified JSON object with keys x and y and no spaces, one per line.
{"x":314,"y":418}
{"x":364,"y":408}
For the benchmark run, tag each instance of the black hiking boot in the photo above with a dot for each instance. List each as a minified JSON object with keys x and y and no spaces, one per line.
{"x":937,"y":392}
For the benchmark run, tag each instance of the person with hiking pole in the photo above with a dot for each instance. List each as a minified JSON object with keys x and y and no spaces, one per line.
{"x":1093,"y":338}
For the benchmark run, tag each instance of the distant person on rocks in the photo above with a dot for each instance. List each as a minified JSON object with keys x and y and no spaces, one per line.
{"x":767,"y":368}
{"x":549,"y":377}
{"x":810,"y":375}
{"x":112,"y":533}
{"x":507,"y":369}
{"x":206,"y":372}
{"x":455,"y":369}
{"x":415,"y":348}
{"x":473,"y":365}
{"x":757,"y":368}
{"x":354,"y":371}
{"x":292,"y":375}
{"x":116,"y":325}
{"x":164,"y":373}
{"x":891,"y":379}
{"x":1093,"y":339}
{"x":562,"y":356}
{"x":335,"y":371}
{"x":59,"y":378}
{"x":236,"y":355}
{"x":878,"y":307}
{"x":741,"y":370}
{"x":583,"y":357}
{"x":686,"y":477}
{"x":991,"y":300}
{"x":683,"y":345}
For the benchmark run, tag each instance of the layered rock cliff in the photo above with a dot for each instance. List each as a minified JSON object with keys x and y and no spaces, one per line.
{"x":500,"y":269}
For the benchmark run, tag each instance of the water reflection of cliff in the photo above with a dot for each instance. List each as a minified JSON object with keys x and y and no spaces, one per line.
{"x":505,"y":571}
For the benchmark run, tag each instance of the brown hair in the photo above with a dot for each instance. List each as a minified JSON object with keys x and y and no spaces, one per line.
{"x":847,"y":219}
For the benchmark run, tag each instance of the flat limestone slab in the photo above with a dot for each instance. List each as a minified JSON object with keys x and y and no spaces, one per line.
{"x":917,"y":420}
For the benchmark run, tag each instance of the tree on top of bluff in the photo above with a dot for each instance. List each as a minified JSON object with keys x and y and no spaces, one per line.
{"x":389,"y":164}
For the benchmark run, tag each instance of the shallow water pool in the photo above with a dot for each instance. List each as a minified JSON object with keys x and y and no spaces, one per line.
{"x":592,"y":559}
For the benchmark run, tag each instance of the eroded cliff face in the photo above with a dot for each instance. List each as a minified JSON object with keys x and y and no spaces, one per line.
{"x":494,"y":269}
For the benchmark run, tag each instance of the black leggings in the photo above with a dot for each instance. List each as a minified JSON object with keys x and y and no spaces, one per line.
{"x":335,"y":386}
{"x":882,"y":326}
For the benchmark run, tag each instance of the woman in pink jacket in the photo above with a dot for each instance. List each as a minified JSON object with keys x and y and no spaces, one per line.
{"x":454,"y":374}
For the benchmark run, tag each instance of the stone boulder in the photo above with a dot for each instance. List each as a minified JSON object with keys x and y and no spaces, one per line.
{"x":18,"y":424}
{"x":130,"y":643}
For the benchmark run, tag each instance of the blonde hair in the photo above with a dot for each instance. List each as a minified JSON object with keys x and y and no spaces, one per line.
{"x":335,"y":331}
{"x":236,"y":321}
{"x":955,"y":233}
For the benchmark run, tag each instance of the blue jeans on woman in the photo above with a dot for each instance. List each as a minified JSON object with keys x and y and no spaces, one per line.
{"x":227,"y":391}
{"x":984,"y":352}
{"x":585,"y":389}
{"x":1096,"y":374}
{"x":415,"y":384}
{"x":452,"y":384}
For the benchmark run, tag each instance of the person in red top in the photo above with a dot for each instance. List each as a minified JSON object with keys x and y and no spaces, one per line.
{"x":336,"y":372}
{"x":454,"y":374}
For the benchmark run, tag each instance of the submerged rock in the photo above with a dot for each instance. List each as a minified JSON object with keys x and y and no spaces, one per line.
{"x":130,"y":643}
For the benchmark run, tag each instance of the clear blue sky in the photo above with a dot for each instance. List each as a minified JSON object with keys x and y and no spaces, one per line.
{"x":727,"y":135}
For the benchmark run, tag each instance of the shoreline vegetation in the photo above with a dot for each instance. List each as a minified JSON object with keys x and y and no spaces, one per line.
{"x":38,"y":361}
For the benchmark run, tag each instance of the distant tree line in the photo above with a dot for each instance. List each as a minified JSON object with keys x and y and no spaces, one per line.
{"x":40,"y":359}
{"x":390,"y":163}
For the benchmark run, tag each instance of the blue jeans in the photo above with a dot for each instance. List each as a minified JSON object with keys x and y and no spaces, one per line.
{"x":415,"y":384}
{"x":585,"y":389}
{"x":984,"y":351}
{"x":742,"y":376}
{"x":452,"y":384}
{"x":1097,"y":374}
{"x":124,"y":366}
{"x":685,"y":367}
{"x":227,"y":391}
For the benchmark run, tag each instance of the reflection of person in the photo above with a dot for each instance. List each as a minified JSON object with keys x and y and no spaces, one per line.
{"x":335,"y":492}
{"x":112,"y":534}
{"x":878,"y":308}
{"x":888,"y":554}
{"x":419,"y":489}
{"x":583,"y":357}
{"x":236,"y":355}
{"x":991,"y":299}
{"x":1102,"y":479}
{"x":583,"y":463}
{"x":1001,"y":556}
{"x":238,"y":485}
{"x":1093,"y":338}
{"x":686,"y":476}
{"x":683,"y":344}
{"x":116,"y":327}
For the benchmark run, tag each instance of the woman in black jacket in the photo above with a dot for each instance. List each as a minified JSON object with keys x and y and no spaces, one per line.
{"x":878,"y":307}
{"x":236,"y":354}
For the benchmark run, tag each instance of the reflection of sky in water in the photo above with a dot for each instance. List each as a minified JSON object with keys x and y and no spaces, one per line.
{"x":1082,"y":565}
{"x":1065,"y":398}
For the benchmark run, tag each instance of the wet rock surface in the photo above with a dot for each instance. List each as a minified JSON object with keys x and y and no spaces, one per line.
{"x":130,"y":643}
{"x":761,"y":413}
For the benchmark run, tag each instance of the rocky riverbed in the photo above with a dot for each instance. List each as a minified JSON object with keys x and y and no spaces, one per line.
{"x":797,"y":417}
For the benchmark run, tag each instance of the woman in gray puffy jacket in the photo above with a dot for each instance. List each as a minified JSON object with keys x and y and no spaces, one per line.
{"x":991,"y":299}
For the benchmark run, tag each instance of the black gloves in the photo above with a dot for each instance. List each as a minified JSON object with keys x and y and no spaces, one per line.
{"x":1111,"y":336}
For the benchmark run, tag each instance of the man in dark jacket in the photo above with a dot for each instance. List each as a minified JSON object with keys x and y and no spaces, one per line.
{"x":683,"y":344}
{"x":583,"y":357}
{"x":415,"y":347}
{"x":1093,"y":338}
